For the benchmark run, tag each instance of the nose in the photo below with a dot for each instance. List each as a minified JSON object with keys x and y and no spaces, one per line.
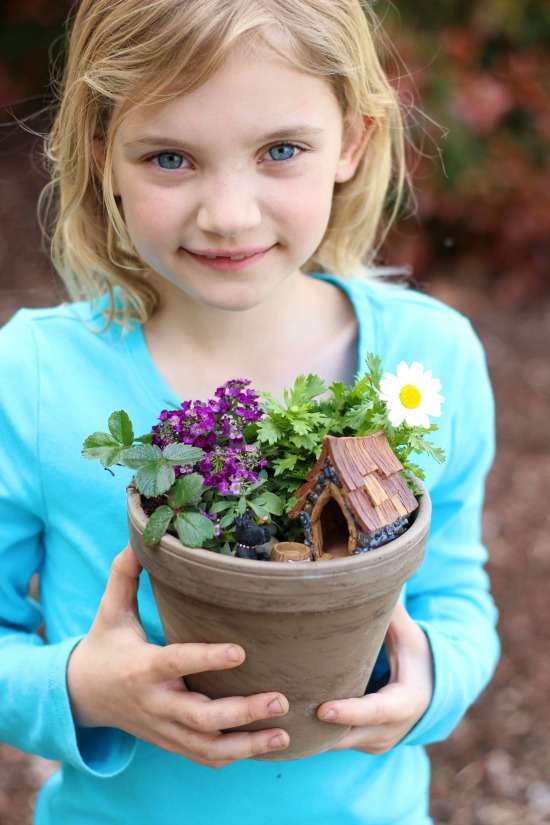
{"x":228,"y":206}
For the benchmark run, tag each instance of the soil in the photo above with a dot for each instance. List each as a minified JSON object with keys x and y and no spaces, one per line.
{"x":495,"y":767}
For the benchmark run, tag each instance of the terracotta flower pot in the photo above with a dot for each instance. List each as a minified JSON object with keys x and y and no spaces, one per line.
{"x":312,"y":631}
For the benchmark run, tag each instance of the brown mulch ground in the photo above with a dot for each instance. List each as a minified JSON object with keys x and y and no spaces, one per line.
{"x":495,"y":768}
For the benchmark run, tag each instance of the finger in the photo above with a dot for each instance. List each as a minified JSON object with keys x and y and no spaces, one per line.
{"x":404,"y":636}
{"x":199,"y":713}
{"x":218,"y":749}
{"x":177,"y":660}
{"x":121,"y":591}
{"x":389,"y":706}
{"x":410,"y":659}
{"x":370,"y":740}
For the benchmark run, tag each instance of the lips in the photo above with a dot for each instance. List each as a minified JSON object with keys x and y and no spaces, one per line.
{"x":231,"y":257}
{"x":225,"y":260}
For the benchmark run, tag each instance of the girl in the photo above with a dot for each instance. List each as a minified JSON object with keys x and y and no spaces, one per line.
{"x":220,"y":169}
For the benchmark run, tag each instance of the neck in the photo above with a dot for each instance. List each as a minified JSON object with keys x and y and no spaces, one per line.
{"x":185,"y":322}
{"x":304,"y":326}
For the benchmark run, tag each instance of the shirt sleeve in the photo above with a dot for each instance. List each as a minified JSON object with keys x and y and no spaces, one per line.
{"x":449,"y":596}
{"x":36,"y":714}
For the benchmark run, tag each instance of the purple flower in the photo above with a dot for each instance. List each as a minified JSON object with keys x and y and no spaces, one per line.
{"x":218,"y":427}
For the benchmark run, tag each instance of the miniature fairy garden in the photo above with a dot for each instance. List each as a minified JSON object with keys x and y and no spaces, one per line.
{"x":323,"y":474}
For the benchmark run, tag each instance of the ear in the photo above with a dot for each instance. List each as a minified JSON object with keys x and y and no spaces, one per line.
{"x":357,"y":132}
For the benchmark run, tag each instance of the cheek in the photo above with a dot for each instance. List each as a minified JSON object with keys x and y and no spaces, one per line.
{"x":148,"y":218}
{"x":309,"y":204}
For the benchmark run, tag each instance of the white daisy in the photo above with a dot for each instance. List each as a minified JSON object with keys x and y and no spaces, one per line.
{"x":411,"y":396}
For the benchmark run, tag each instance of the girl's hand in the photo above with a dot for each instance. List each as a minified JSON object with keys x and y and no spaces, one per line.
{"x":380,"y":720}
{"x":117,"y":679}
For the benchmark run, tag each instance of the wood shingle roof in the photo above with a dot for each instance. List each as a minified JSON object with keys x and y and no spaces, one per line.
{"x":370,"y":476}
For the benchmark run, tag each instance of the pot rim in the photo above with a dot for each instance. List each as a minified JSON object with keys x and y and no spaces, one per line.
{"x":376,"y":568}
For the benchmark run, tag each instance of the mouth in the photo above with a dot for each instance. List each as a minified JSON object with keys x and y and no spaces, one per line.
{"x":240,"y":257}
{"x":228,"y":260}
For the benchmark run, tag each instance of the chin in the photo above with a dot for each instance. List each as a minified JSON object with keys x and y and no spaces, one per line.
{"x":235,"y":299}
{"x":241,"y":305}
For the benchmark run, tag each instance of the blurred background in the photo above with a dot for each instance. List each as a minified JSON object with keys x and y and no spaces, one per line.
{"x":478,"y":240}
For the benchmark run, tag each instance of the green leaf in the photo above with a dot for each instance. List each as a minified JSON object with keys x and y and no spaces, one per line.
{"x":220,"y":506}
{"x":302,"y":427}
{"x":437,"y":453}
{"x":338,"y":392}
{"x":108,"y":456}
{"x":157,"y":525}
{"x":272,"y":503}
{"x":121,"y":428}
{"x":374,"y":367}
{"x":186,"y":489}
{"x":241,"y":506}
{"x":193,"y":529}
{"x":260,"y":511}
{"x":282,"y":464}
{"x":272,"y":404}
{"x":416,"y":470}
{"x":306,"y":442}
{"x":251,"y":488}
{"x":100,"y":440}
{"x":305,"y":389}
{"x":268,"y":431}
{"x":141,"y":455}
{"x":145,"y":439}
{"x":178,"y":454}
{"x":103,"y":447}
{"x":227,"y":520}
{"x":358,"y":417}
{"x":154,"y":478}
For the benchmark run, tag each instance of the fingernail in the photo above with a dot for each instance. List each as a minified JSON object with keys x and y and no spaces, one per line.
{"x":329,"y":716}
{"x":233,"y":654}
{"x":277,"y":742}
{"x":275,"y":707}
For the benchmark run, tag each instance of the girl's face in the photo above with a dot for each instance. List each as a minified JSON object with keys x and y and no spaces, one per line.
{"x":227,"y":191}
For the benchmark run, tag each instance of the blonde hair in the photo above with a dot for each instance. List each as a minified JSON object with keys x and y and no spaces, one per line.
{"x":125,"y":53}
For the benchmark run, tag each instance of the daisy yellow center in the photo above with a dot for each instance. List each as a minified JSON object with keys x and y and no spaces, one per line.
{"x":410,"y":396}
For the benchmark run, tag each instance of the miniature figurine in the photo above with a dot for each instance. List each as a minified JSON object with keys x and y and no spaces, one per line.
{"x":250,"y":537}
{"x":354,"y":497}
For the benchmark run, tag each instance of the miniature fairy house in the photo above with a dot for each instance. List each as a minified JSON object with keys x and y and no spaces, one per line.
{"x":354,"y":497}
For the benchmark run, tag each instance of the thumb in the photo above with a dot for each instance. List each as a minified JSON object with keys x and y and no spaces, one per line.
{"x":400,"y":624}
{"x":405,"y":642}
{"x":120,"y":597}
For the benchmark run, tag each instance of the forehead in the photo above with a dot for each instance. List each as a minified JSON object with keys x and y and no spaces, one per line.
{"x":250,"y":89}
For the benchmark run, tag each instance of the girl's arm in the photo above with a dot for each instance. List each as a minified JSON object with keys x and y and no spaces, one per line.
{"x":36,"y":715}
{"x":117,"y":679}
{"x":443,"y":649}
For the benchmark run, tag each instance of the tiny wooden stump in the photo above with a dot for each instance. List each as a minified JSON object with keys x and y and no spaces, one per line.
{"x":291,"y":551}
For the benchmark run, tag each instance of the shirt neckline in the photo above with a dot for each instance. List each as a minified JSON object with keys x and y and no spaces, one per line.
{"x":154,"y":385}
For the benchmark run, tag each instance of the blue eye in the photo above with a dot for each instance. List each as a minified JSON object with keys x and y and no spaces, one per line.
{"x":283,"y":151}
{"x":170,"y":160}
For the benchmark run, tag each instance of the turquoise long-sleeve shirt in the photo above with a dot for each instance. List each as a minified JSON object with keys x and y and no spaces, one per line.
{"x":63,"y":518}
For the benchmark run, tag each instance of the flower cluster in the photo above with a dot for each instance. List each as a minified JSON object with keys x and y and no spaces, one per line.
{"x":218,"y":427}
{"x":201,"y":471}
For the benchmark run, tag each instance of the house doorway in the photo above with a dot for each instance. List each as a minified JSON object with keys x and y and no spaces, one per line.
{"x":333,"y":529}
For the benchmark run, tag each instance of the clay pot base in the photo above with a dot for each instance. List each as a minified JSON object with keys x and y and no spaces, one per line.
{"x":311,"y":631}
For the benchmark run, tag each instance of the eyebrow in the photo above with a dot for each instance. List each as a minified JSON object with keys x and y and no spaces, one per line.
{"x":282,"y":134}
